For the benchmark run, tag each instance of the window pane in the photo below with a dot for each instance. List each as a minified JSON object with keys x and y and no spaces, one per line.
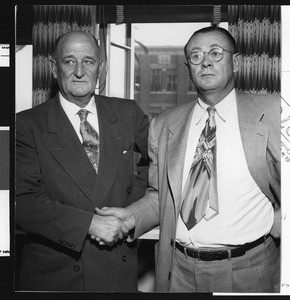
{"x":117,"y":72}
{"x":118,"y":34}
{"x":161,"y":78}
{"x":171,"y":80}
{"x":155,"y":80}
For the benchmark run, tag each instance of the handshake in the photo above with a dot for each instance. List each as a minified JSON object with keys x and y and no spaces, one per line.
{"x":111,"y":224}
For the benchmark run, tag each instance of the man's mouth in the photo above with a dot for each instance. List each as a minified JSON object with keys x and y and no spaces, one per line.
{"x":79,"y":82}
{"x":207,"y":75}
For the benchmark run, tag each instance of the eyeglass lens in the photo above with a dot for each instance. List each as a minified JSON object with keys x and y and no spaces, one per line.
{"x":215,"y":54}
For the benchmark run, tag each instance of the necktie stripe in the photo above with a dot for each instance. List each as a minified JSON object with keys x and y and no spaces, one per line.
{"x":90,"y":139}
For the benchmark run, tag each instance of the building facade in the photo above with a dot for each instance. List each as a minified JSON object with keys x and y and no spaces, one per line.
{"x":161,"y":79}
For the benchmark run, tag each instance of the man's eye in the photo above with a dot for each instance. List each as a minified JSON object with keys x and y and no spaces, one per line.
{"x":196,"y":55}
{"x":88,"y":62}
{"x":69,"y":62}
{"x":215,"y":53}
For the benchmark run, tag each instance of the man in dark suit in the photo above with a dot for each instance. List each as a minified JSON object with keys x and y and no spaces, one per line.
{"x":75,"y":152}
{"x":217,"y":222}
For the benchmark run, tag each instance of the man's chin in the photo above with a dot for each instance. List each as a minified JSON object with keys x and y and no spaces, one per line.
{"x":82,"y":93}
{"x":208,"y":87}
{"x":80,"y":99}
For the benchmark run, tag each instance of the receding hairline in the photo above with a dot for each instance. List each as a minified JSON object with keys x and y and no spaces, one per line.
{"x":205,"y":30}
{"x":61,"y":38}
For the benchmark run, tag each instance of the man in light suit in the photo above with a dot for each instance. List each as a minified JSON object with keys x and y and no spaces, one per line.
{"x":58,"y":188}
{"x":230,"y":246}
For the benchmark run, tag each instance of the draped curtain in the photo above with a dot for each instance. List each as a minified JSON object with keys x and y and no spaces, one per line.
{"x":49,"y":22}
{"x":256,"y":29}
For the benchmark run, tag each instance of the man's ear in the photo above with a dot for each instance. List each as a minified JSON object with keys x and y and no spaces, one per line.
{"x":101,"y":65}
{"x":53,"y":67}
{"x":236,"y":62}
{"x":187,"y":68}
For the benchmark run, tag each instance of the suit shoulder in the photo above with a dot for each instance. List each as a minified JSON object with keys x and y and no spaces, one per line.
{"x":264,"y":101}
{"x":115,"y":100}
{"x":173,"y":114}
{"x":268,"y":103}
{"x":118,"y":103}
{"x":31,"y":113}
{"x":123,"y":108}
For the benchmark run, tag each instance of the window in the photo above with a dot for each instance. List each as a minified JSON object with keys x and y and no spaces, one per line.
{"x":119,"y":78}
{"x":146,"y":63}
{"x":161,"y":78}
{"x":171,"y":75}
{"x":156,"y":84}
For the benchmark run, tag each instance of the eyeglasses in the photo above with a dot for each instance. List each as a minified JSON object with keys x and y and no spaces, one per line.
{"x":215,"y":54}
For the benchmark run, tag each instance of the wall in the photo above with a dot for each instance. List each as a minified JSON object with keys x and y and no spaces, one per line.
{"x":23,"y":78}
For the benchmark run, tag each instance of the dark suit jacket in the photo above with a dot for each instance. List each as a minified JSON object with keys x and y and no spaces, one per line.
{"x":57,"y":190}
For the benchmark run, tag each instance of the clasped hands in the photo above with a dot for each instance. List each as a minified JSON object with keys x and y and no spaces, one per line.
{"x":111,"y":224}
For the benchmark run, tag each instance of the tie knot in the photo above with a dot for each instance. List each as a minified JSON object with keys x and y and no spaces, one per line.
{"x":83,"y":114}
{"x":211,"y":111}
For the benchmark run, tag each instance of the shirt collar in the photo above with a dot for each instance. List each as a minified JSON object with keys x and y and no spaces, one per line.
{"x":72,"y":109}
{"x":222,"y":108}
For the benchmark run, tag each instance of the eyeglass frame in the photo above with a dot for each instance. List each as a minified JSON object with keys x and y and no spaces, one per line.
{"x":203,"y":53}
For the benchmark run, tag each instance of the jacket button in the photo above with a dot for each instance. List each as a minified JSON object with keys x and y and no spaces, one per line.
{"x":169,"y":275}
{"x":129,"y":190}
{"x":76,"y":268}
{"x":171,"y":242}
{"x":124,"y":258}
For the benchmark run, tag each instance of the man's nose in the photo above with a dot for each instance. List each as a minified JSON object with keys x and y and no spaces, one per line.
{"x":79,"y":70}
{"x":206,"y":61}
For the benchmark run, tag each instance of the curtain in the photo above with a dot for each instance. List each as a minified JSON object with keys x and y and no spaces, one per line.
{"x":49,"y":22}
{"x":257,"y":29}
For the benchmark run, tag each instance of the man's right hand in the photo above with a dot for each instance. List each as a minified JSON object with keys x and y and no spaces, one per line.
{"x":108,"y":229}
{"x":123,"y":214}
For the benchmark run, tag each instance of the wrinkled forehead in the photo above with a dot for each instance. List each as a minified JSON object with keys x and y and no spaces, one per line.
{"x":206,"y":41}
{"x":78,"y":43}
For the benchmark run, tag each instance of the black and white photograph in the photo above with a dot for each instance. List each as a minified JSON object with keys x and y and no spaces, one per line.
{"x":149,"y":150}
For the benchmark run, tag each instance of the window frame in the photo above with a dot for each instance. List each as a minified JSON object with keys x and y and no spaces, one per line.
{"x":143,"y":14}
{"x":128,"y":47}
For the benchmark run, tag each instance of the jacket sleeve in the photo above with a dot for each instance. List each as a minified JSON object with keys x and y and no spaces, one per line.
{"x":146,"y":210}
{"x":36,"y":213}
{"x":141,"y":160}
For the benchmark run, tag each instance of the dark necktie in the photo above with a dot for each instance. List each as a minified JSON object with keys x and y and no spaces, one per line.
{"x":90,"y":139}
{"x":201,"y":185}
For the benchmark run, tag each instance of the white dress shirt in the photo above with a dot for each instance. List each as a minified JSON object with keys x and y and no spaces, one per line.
{"x":245,"y":213}
{"x":72,"y":109}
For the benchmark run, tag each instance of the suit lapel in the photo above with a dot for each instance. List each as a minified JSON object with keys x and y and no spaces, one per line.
{"x":254,"y":134}
{"x":64,"y":144}
{"x":112,"y":138}
{"x":177,"y":142}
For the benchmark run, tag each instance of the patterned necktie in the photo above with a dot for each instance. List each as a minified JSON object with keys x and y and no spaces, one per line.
{"x":90,"y":139}
{"x":201,"y":185}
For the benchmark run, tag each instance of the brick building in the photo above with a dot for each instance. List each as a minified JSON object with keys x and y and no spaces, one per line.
{"x":161,"y":79}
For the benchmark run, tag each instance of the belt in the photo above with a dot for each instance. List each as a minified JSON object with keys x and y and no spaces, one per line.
{"x":208,"y":255}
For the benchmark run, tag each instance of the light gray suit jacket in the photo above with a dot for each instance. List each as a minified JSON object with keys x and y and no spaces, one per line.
{"x":259,"y":120}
